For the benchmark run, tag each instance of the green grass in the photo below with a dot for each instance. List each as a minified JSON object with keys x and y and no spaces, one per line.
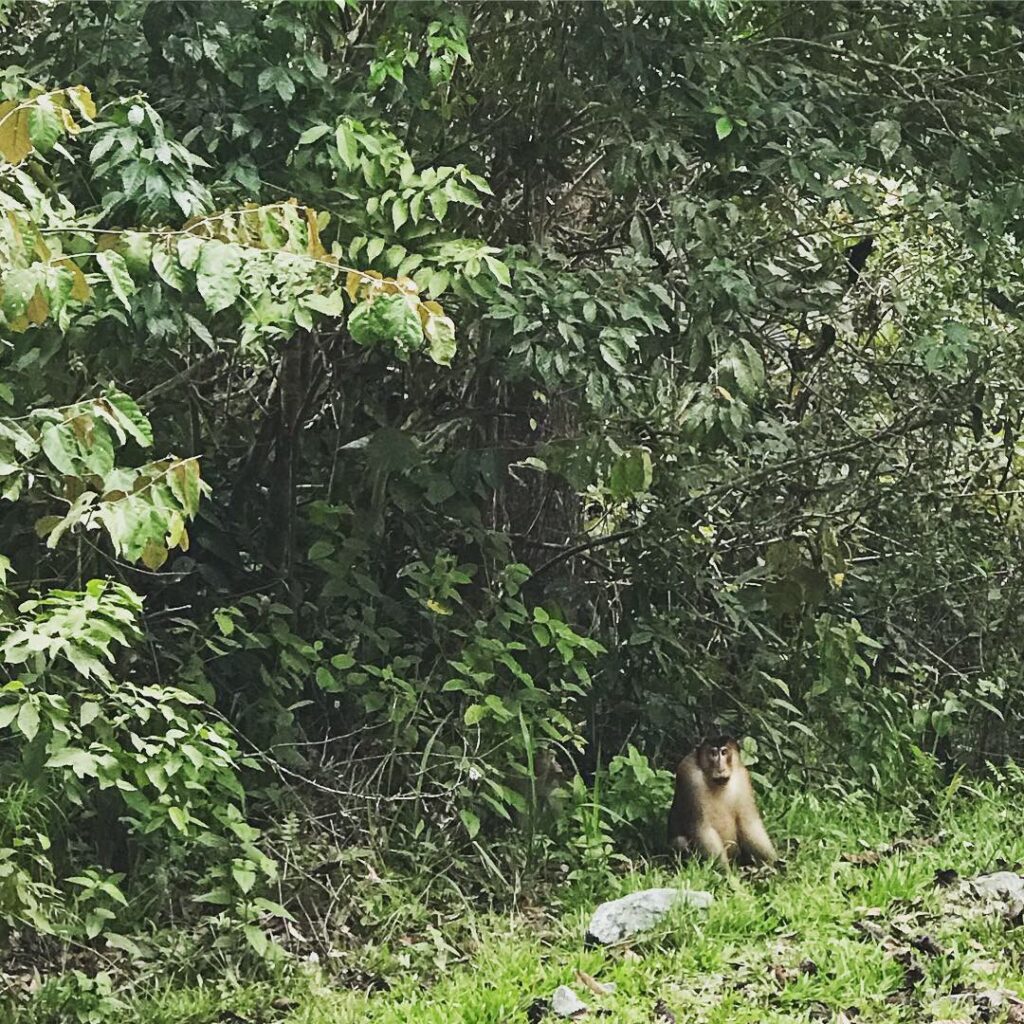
{"x":774,"y":947}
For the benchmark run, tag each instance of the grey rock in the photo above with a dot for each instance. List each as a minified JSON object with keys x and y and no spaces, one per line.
{"x":1003,"y":884}
{"x":639,"y":912}
{"x":566,"y":1003}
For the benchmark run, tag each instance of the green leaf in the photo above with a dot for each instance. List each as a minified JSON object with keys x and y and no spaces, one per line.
{"x":217,"y":274}
{"x":439,"y":282}
{"x":348,"y":147}
{"x":123,"y":943}
{"x":19,"y":286}
{"x":8,"y":713}
{"x":960,"y":164}
{"x":116,"y":270}
{"x":439,"y":204}
{"x":137,"y":249}
{"x":28,"y":720}
{"x":399,"y":213}
{"x":189,"y":248}
{"x":480,"y":184}
{"x":328,"y":305}
{"x":886,"y":135}
{"x":132,"y":419}
{"x":723,"y":128}
{"x":499,"y":270}
{"x":59,"y":446}
{"x":44,"y":126}
{"x":386,"y":318}
{"x":474,"y":713}
{"x":319,"y":550}
{"x":276,"y":78}
{"x":81,"y":762}
{"x":460,"y":194}
{"x":755,"y":364}
{"x":440,"y":334}
{"x":167,"y":268}
{"x":631,"y":474}
{"x":179,"y":816}
{"x":311,"y":135}
{"x":416,"y":207}
{"x":245,"y":878}
{"x":257,"y":938}
{"x":343,"y":661}
{"x":613,"y":351}
{"x":471,"y":821}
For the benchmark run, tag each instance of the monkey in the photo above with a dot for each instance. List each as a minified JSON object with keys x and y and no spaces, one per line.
{"x":714,"y":812}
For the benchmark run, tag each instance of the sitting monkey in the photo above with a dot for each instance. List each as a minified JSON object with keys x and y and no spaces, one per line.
{"x":714,"y":812}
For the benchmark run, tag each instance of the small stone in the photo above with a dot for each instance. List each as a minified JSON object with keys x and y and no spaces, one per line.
{"x":566,"y":1003}
{"x":639,"y":912}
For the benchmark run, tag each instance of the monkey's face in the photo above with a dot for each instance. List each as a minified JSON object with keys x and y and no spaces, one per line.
{"x":716,"y":761}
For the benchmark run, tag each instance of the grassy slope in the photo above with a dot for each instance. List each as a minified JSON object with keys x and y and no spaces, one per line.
{"x":741,"y":962}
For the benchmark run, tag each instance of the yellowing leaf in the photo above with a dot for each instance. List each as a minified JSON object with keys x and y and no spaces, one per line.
{"x":315,"y":247}
{"x":183,"y":478}
{"x":80,"y":287}
{"x":82,"y":99}
{"x":353,"y":283}
{"x":176,"y":532}
{"x":15,"y":143}
{"x":38,"y":308}
{"x":153,"y":555}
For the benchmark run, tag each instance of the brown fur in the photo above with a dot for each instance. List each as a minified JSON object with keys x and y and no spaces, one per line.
{"x":714,"y":812}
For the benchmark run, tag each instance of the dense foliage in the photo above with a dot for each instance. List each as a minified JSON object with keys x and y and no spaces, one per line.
{"x":543,"y":381}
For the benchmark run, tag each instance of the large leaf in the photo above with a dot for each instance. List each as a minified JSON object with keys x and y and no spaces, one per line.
{"x":218,"y":274}
{"x":113,"y":265}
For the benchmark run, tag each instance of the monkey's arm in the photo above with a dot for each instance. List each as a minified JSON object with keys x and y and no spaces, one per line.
{"x":708,"y":841}
{"x":754,"y":841}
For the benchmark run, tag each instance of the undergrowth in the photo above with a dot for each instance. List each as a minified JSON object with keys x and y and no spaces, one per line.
{"x":853,"y":923}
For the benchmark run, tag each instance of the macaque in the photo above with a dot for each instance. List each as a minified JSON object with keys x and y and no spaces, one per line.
{"x":714,"y":812}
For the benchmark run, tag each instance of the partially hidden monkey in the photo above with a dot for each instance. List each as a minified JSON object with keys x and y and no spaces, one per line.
{"x":714,"y":812}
